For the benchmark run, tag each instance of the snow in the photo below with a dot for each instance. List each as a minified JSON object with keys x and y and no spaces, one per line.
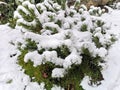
{"x":33,"y":23}
{"x":10,"y":71}
{"x":57,"y":88}
{"x":20,"y":7}
{"x":52,"y":25}
{"x":102,"y":52}
{"x":35,"y":86}
{"x":2,"y":2}
{"x":56,"y":6}
{"x":34,"y":57}
{"x":73,"y":58}
{"x":111,"y":71}
{"x":11,"y":76}
{"x":50,"y":56}
{"x":58,"y":73}
{"x":94,"y":10}
{"x":118,"y":5}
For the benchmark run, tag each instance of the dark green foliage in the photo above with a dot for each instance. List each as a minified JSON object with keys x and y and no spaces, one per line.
{"x":52,"y":29}
{"x":82,"y":19}
{"x":42,"y":73}
{"x":28,"y":18}
{"x":31,"y":45}
{"x":97,"y":42}
{"x":96,"y":11}
{"x":90,"y":67}
{"x":39,"y":9}
{"x":99,"y":23}
{"x":111,"y":2}
{"x":62,"y":3}
{"x":12,"y":22}
{"x":71,"y":80}
{"x":3,"y":11}
{"x":77,"y":5}
{"x":84,"y":28}
{"x":103,"y":31}
{"x":36,"y":28}
{"x":9,"y":81}
{"x":62,"y":51}
{"x":38,"y":1}
{"x":32,"y":71}
{"x":41,"y":51}
{"x":71,"y":14}
{"x":7,"y":11}
{"x":113,"y":39}
{"x":51,"y":18}
{"x":59,"y":23}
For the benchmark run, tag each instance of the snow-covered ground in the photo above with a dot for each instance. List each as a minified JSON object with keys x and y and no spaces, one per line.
{"x":11,"y":78}
{"x":9,"y":71}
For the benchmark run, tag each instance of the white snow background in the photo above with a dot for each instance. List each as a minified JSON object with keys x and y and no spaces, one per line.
{"x":11,"y":72}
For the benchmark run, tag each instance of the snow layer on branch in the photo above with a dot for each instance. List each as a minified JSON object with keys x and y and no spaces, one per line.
{"x":73,"y":58}
{"x":46,"y":41}
{"x":52,"y":25}
{"x":22,"y":21}
{"x":34,"y":57}
{"x":47,"y":56}
{"x":50,"y":56}
{"x":9,"y":69}
{"x":58,"y":72}
{"x":2,"y":2}
{"x":56,"y":88}
{"x":17,"y":15}
{"x":41,"y":6}
{"x":73,"y":32}
{"x":102,"y":52}
{"x":35,"y":86}
{"x":20,"y":7}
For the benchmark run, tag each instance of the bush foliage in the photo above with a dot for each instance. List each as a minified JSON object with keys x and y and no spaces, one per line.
{"x":65,"y":38}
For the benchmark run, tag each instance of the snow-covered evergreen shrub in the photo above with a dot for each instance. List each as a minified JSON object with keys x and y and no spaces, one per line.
{"x":61,"y":45}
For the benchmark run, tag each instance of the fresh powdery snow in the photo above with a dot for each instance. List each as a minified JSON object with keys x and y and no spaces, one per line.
{"x":12,"y":78}
{"x":111,"y":71}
